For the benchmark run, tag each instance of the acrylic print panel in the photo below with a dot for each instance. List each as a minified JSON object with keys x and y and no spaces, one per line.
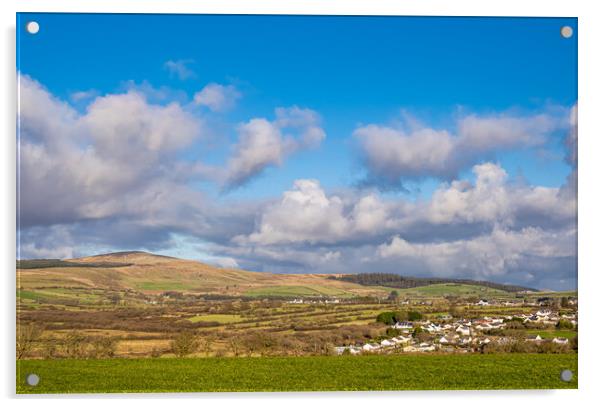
{"x":218,"y":203}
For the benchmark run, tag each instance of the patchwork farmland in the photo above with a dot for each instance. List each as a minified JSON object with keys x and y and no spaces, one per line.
{"x":134,"y":307}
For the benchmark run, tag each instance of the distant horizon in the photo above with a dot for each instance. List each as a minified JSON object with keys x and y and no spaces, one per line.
{"x":297,"y":144}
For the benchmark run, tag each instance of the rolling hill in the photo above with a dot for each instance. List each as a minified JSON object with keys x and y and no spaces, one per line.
{"x":148,"y":273}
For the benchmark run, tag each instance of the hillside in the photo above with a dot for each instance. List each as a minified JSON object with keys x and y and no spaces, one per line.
{"x":151,"y":274}
{"x":148,"y":273}
{"x":403,"y":282}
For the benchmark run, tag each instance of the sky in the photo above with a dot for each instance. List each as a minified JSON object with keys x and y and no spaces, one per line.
{"x":425,"y":146}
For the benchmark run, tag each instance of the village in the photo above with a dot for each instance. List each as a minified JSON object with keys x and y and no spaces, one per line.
{"x":462,"y":335}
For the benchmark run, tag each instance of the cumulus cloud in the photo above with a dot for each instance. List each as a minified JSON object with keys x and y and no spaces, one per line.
{"x":485,"y":256}
{"x":394,"y":155}
{"x":263,"y":143}
{"x":84,"y":166}
{"x":113,"y":176}
{"x":306,"y":214}
{"x":217,"y":97}
{"x":180,"y":68}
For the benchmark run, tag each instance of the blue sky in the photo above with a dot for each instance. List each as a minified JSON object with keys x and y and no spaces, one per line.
{"x":351,"y":72}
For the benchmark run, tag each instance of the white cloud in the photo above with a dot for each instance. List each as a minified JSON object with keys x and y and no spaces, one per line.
{"x":83,"y":95}
{"x":493,"y":200}
{"x":217,"y":97}
{"x":225,"y":262}
{"x":304,"y":214}
{"x":307,"y":120}
{"x":263,"y":143}
{"x":393,"y":155}
{"x":112,"y":177}
{"x":484,"y":256}
{"x":571,"y":138}
{"x":180,"y":68}
{"x":390,"y":153}
{"x":81,"y":166}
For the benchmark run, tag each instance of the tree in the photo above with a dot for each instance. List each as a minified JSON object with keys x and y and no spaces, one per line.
{"x":564,"y":324}
{"x":115,"y":298}
{"x":564,"y":302}
{"x":393,"y":296}
{"x":234,"y":346}
{"x":206,"y":344}
{"x":104,"y":347}
{"x":414,"y":316}
{"x":74,"y":345}
{"x":456,"y":311}
{"x":184,"y":344}
{"x":27,"y":336}
{"x":418,"y":330}
{"x":574,"y":343}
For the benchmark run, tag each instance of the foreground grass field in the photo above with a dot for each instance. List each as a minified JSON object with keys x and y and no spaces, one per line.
{"x":314,"y":373}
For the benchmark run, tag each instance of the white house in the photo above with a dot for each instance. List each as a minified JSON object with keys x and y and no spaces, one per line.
{"x":426,"y":347}
{"x":561,"y":341}
{"x":370,"y":347}
{"x":403,"y":339}
{"x":463,"y":330}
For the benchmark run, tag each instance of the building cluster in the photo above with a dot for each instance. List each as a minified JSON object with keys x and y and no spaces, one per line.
{"x":460,"y":335}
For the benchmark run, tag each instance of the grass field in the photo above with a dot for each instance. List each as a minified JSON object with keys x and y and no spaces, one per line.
{"x":545,"y":334}
{"x":313,"y":373}
{"x":292,"y":290}
{"x":453,"y":289}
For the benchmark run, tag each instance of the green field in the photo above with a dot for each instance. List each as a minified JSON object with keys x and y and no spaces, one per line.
{"x":312,"y":373}
{"x":546,"y":334}
{"x":453,"y":289}
{"x":293,"y":290}
{"x":163,"y":285}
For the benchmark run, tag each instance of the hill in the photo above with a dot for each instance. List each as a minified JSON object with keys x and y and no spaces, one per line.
{"x":152,"y":274}
{"x":148,"y":273}
{"x":398,"y":281}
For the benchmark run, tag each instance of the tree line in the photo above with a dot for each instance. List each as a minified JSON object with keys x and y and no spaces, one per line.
{"x":399,"y":281}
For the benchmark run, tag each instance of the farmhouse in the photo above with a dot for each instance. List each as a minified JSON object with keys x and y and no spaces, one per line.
{"x":463,"y":330}
{"x":403,"y":325}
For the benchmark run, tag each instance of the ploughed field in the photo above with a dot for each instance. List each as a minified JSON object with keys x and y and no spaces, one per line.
{"x":306,"y":373}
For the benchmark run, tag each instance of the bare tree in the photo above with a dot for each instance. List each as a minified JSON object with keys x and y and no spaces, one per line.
{"x":184,"y":344}
{"x":74,"y":345}
{"x":104,"y":347}
{"x":27,"y":336}
{"x":205,"y":344}
{"x":235,"y":346}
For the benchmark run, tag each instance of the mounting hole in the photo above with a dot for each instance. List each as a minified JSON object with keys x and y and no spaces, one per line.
{"x":32,"y":379}
{"x":566,"y":375}
{"x":32,"y":27}
{"x":566,"y":31}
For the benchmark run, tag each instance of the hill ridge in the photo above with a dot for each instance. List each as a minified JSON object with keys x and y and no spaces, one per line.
{"x":402,"y":282}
